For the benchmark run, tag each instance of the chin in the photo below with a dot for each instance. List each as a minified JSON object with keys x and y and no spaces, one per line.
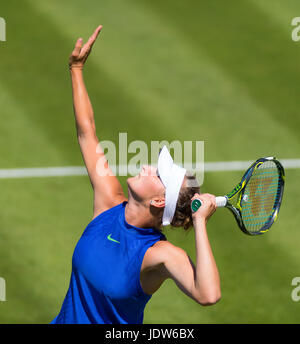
{"x":133,"y":188}
{"x":130,"y":184}
{"x":130,"y":181}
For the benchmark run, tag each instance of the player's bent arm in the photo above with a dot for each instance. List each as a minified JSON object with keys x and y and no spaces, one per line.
{"x":200,"y":282}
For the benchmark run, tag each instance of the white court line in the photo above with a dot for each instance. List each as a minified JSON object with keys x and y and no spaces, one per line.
{"x":81,"y":171}
{"x":243,"y":165}
{"x":43,"y":172}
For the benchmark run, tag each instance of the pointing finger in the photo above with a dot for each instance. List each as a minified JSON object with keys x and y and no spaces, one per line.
{"x":94,"y":36}
{"x":88,"y":45}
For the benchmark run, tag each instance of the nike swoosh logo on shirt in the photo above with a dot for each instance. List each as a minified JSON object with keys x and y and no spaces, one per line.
{"x":111,"y":239}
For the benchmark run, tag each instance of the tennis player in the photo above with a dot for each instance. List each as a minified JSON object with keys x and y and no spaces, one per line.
{"x":122,"y":257}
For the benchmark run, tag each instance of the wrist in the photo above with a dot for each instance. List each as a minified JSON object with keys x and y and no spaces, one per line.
{"x":75,"y":69}
{"x":199,"y":222}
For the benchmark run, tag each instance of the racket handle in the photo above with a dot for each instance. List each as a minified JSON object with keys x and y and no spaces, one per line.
{"x":195,"y":205}
{"x":221,"y":201}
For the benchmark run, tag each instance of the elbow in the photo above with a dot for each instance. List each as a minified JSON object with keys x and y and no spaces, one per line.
{"x":209,"y":299}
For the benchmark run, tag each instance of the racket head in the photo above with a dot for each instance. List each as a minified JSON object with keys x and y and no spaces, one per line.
{"x":260,"y":195}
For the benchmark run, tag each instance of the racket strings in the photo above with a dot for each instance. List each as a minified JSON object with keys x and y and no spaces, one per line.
{"x":260,"y":196}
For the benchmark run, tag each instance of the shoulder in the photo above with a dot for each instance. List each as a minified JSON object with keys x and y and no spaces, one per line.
{"x":114,"y":205}
{"x":164,"y":247}
{"x":161,"y":253}
{"x":154,"y":270}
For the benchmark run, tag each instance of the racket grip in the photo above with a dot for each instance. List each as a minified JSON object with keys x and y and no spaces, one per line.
{"x":221,"y":201}
{"x":195,"y":205}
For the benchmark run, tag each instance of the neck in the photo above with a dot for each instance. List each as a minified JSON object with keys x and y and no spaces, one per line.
{"x":139,"y":215}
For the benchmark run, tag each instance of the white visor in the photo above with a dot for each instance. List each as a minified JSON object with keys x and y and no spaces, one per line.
{"x":172,"y":177}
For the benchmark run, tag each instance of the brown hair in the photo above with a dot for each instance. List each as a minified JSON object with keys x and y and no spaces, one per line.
{"x":183,"y":212}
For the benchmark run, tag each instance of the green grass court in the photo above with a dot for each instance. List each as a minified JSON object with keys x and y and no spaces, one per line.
{"x":223,"y":72}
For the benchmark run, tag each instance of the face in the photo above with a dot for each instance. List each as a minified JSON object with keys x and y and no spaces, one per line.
{"x":146,"y":186}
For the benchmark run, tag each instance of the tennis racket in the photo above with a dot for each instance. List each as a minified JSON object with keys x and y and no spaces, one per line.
{"x":258,"y":196}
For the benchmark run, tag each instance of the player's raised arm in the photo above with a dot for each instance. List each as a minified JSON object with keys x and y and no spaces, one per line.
{"x":107,"y":189}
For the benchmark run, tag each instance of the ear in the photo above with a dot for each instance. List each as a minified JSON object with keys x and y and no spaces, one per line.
{"x":157,"y":202}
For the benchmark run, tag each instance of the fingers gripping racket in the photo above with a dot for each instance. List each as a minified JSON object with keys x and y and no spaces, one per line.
{"x":259,"y":195}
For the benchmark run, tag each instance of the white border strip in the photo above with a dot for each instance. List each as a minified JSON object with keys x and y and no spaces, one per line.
{"x":81,"y":171}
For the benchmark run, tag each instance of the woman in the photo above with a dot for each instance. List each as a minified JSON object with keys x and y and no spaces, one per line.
{"x":123,"y":257}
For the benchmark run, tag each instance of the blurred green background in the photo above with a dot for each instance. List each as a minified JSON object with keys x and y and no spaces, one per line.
{"x":225,"y":72}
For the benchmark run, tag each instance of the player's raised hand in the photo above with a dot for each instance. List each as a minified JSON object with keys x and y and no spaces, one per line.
{"x":80,"y":53}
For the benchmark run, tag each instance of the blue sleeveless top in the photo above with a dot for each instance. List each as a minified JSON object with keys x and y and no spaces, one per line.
{"x":105,"y":280}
